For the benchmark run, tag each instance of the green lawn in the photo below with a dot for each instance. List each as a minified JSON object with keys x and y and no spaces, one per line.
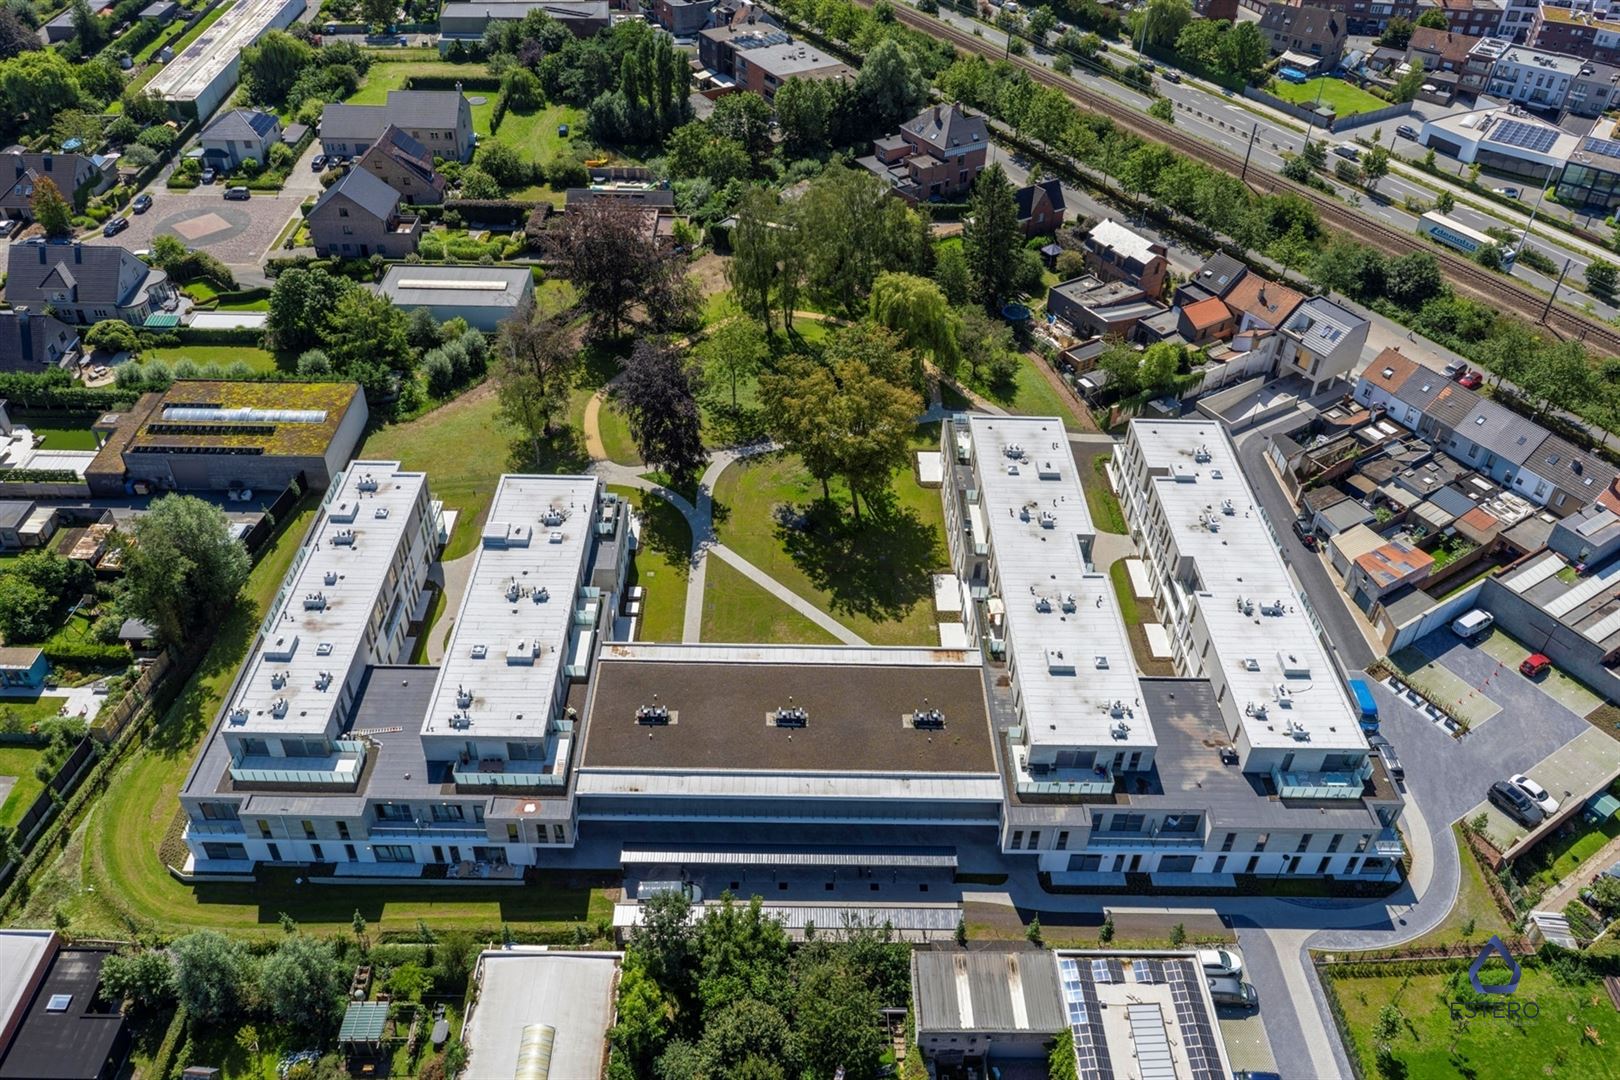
{"x":151,"y":47}
{"x":61,"y":431}
{"x":616,"y":439}
{"x":1560,"y":856}
{"x":735,"y":609}
{"x":535,"y":133}
{"x":1345,"y":99}
{"x":872,"y":575}
{"x":1031,"y":395}
{"x":1106,"y":515}
{"x":223,"y":356}
{"x":1475,"y":916}
{"x":1429,"y":1045}
{"x":19,"y":761}
{"x":662,"y":566}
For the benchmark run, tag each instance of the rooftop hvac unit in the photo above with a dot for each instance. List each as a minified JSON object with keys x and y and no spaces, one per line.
{"x":1069,"y":602}
{"x":1042,"y":604}
{"x":928,"y":719}
{"x":331,"y":577}
{"x":1119,"y":729}
{"x":652,"y":714}
{"x":1014,"y":451}
{"x":1201,"y":455}
{"x":366,"y":482}
{"x":239,"y":716}
{"x":541,"y":595}
{"x":278,"y":679}
{"x":1273,"y":607}
{"x":323,"y":680}
{"x":461,"y":719}
{"x":552,"y":518}
{"x":1256,"y":709}
{"x":792,"y":716}
{"x":1228,"y":509}
{"x":512,"y":589}
{"x":278,"y":708}
{"x":1117,"y":709}
{"x":464,"y":697}
{"x":343,"y":538}
{"x":314,"y":601}
{"x":1048,"y":519}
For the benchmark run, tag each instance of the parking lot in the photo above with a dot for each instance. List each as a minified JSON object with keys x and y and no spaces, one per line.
{"x":1527,"y":723}
{"x":1570,"y":774}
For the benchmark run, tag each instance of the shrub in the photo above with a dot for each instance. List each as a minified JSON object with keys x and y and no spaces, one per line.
{"x":159,"y":137}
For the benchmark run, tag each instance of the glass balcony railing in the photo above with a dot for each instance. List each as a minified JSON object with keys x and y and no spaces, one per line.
{"x":342,"y":767}
{"x":472,"y":777}
{"x":1060,"y":783}
{"x":1321,"y":785}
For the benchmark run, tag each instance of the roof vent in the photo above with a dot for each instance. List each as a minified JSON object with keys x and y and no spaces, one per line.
{"x":556,"y":537}
{"x":324,"y":649}
{"x":791,"y":716}
{"x":323,"y":680}
{"x":654,"y":714}
{"x":343,"y":538}
{"x":1251,"y":664}
{"x":1101,"y":662}
{"x":366,"y":482}
{"x":315,"y":601}
{"x":480,"y":651}
{"x":381,"y":512}
{"x":331,"y":577}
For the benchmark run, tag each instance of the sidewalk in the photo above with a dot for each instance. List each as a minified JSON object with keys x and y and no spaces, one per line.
{"x":1570,"y":888}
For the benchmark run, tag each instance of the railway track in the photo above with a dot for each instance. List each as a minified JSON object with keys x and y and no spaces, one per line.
{"x":1497,"y":290}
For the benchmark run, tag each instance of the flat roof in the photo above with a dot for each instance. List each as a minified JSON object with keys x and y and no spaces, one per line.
{"x":1073,"y":665}
{"x":795,"y":58}
{"x":21,"y":954}
{"x":70,"y":1029}
{"x":860,"y":704}
{"x":188,"y":75}
{"x":1261,"y":638}
{"x":318,"y":622}
{"x":460,"y":286}
{"x":519,"y":988}
{"x":1150,"y":1012}
{"x":517,"y":613}
{"x":1004,"y":991}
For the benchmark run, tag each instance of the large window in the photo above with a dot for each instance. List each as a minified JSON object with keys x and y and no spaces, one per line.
{"x":449,"y":812}
{"x":393,"y":812}
{"x":394,"y":853}
{"x":225,"y":851}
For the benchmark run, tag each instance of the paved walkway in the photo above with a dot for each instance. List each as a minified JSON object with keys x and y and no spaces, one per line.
{"x":452,"y":578}
{"x":1570,"y":888}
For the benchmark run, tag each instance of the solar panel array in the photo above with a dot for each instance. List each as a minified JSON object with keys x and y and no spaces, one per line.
{"x":1085,"y":1021}
{"x":1606,"y":147}
{"x":1532,"y":137}
{"x":1198,"y":1036}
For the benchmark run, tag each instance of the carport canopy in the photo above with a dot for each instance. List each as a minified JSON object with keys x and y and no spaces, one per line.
{"x":1603,"y":807}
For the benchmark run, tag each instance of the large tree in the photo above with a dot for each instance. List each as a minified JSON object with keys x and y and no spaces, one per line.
{"x":37,"y":86}
{"x":795,"y":397}
{"x":145,"y":979}
{"x":536,"y":359}
{"x":891,"y":87}
{"x":211,"y":972}
{"x":365,"y":340}
{"x":301,"y":301}
{"x":746,"y":119}
{"x":51,"y":211}
{"x":15,"y":35}
{"x":804,"y":113}
{"x":915,"y":309}
{"x":733,"y":351}
{"x":605,"y":249}
{"x":755,"y":262}
{"x":848,"y":229}
{"x":183,"y":568}
{"x":992,"y":239}
{"x":302,"y":981}
{"x":659,"y":398}
{"x":271,"y":67}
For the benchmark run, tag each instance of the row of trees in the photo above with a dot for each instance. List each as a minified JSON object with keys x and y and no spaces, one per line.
{"x":286,"y":70}
{"x":729,"y":996}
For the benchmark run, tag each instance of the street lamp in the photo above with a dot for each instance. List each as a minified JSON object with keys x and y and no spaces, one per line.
{"x":1541,"y":194}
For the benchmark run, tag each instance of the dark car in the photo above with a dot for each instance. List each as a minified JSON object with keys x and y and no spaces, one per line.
{"x":1171,"y":76}
{"x":142,"y":204}
{"x":1407,"y":131}
{"x":1306,"y":534}
{"x":237,"y":193}
{"x":317,"y":163}
{"x":1515,"y":804}
{"x":208,"y":176}
{"x":1392,"y":762}
{"x":115,"y":226}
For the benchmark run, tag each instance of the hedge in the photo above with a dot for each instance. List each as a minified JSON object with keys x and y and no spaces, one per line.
{"x":512,"y":212}
{"x":39,"y":476}
{"x":232,"y":335}
{"x":25,"y":392}
{"x":481,"y":84}
{"x":163,"y":1062}
{"x":79,"y":652}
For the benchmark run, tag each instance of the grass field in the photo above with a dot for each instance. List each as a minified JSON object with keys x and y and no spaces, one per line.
{"x":662,"y":566}
{"x":1031,"y":395}
{"x":223,"y":356}
{"x":1572,"y":1038}
{"x":1475,"y":916}
{"x":1560,"y":856}
{"x":616,"y":439}
{"x":872,"y":575}
{"x":61,"y":431}
{"x":1106,"y":514}
{"x":19,"y":761}
{"x":1345,"y":99}
{"x":736,"y":609}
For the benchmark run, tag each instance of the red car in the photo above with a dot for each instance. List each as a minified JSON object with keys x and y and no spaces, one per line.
{"x":1535,"y":665}
{"x":1471,"y":379}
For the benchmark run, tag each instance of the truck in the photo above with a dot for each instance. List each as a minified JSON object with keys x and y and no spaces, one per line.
{"x":1365,"y":705}
{"x":1454,"y":234}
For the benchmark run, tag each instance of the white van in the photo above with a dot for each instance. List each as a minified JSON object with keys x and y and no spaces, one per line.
{"x":649,"y":889}
{"x":1473,"y":624}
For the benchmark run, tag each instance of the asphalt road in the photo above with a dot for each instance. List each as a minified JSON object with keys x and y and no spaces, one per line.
{"x":1217,"y":117}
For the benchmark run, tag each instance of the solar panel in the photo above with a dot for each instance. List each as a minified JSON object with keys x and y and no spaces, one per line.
{"x":1532,"y":137}
{"x":1606,"y":147}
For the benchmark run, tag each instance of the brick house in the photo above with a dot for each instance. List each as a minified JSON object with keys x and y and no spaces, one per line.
{"x":404,"y":165}
{"x":1040,"y":207}
{"x":359,"y":216}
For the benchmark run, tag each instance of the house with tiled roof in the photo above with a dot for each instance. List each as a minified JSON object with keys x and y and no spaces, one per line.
{"x":359,"y":216}
{"x":34,"y":341}
{"x":1260,"y":306}
{"x":1321,"y":341}
{"x":441,"y":120}
{"x":85,"y":283}
{"x":76,"y":176}
{"x":404,"y":165}
{"x":1040,"y":207}
{"x":1377,"y":573}
{"x":1117,"y":253}
{"x":937,"y":154}
{"x":1205,"y":321}
{"x":235,"y":135}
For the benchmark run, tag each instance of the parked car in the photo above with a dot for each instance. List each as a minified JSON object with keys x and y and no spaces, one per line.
{"x":317,"y":163}
{"x":1473,"y":624}
{"x":115,"y":226}
{"x":1348,"y":150}
{"x":1171,"y":76}
{"x":1455,"y":370}
{"x":7,"y":227}
{"x":1221,"y":962}
{"x":142,"y":203}
{"x":1535,"y":665}
{"x":1392,"y":762}
{"x":1506,"y":192}
{"x":1306,"y":534}
{"x":237,"y":193}
{"x":1514,"y":803}
{"x":1471,"y":380}
{"x":1230,"y":990}
{"x":1406,"y":131}
{"x":1538,"y":794}
{"x":208,"y":176}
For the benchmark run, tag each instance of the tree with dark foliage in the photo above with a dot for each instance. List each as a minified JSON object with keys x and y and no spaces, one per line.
{"x":606,"y":250}
{"x":992,"y":239}
{"x":659,"y":397}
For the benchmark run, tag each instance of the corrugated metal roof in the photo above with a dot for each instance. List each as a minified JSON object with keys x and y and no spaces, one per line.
{"x":986,"y":991}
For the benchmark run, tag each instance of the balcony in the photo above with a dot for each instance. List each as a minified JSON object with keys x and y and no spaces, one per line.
{"x":1055,"y":783}
{"x":340,"y":768}
{"x":1321,"y":785}
{"x":428,"y":830}
{"x":214,"y":828}
{"x":513,"y":774}
{"x":1144,"y":839}
{"x":1388,"y":845}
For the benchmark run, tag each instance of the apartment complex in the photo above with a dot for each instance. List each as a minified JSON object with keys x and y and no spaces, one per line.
{"x":1249,"y":760}
{"x":1589,"y":34}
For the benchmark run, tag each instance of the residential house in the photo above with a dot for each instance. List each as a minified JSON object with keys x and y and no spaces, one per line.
{"x":1379,"y":572}
{"x":85,"y":283}
{"x":1040,"y":207}
{"x":1448,"y":52}
{"x":440,"y":120}
{"x":467,"y":21}
{"x":1470,"y":18}
{"x":1539,"y":79}
{"x":1092,"y":307}
{"x":359,"y":216}
{"x":1217,"y":9}
{"x":1261,"y":306}
{"x":1116,"y":253}
{"x":1591,"y":178}
{"x":1370,"y":17}
{"x":234,"y":136}
{"x":484,"y":296}
{"x":23,"y":667}
{"x":759,"y":56}
{"x":61,"y":28}
{"x":75,"y":175}
{"x":1205,"y":321}
{"x":1220,"y":274}
{"x":404,"y":165}
{"x":161,"y":11}
{"x":1587,"y":34}
{"x":1321,"y":341}
{"x":1304,"y":31}
{"x":937,"y":154}
{"x":1565,"y":477}
{"x":34,"y":341}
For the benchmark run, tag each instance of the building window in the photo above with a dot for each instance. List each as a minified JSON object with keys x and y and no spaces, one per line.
{"x":395,"y":853}
{"x":1333,"y":841}
{"x":343,"y":830}
{"x":309,"y":830}
{"x":1361,"y":845}
{"x":511,"y":832}
{"x":1034,"y":839}
{"x":557,"y":834}
{"x":1220,"y":864}
{"x":393,"y":812}
{"x":264,"y":828}
{"x":1304,"y":842}
{"x":449,"y":812}
{"x":1231,"y":838}
{"x":1063,"y":840}
{"x":315,"y":851}
{"x":1261,"y":841}
{"x":1018,"y":839}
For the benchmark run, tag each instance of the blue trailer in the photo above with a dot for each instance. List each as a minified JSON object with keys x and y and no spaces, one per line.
{"x":1365,"y":703}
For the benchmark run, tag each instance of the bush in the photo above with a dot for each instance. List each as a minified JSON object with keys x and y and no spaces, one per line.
{"x":114,"y":335}
{"x":159,"y":137}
